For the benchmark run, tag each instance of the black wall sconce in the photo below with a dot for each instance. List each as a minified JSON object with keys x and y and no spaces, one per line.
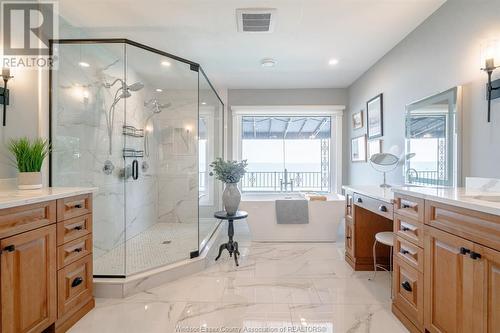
{"x":490,"y":51}
{"x":4,"y":93}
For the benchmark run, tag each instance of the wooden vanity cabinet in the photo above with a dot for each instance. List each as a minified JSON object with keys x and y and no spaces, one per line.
{"x":462,"y":274}
{"x":364,"y":217}
{"x":28,"y":281}
{"x":43,"y":258}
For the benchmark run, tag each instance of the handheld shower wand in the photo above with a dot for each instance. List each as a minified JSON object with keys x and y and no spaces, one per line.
{"x":123,"y":92}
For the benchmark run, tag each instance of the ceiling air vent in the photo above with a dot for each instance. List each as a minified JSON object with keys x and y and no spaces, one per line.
{"x":256,"y":20}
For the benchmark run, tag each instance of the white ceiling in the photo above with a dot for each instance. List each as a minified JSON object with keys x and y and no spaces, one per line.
{"x":307,"y":34}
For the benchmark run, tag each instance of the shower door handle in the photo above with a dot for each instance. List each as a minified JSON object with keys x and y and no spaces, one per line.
{"x":135,"y":169}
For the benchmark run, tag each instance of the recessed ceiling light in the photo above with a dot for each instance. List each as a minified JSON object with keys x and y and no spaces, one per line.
{"x":159,"y":90}
{"x":84,"y":64}
{"x":333,"y":62}
{"x":268,"y":62}
{"x":203,"y":103}
{"x":166,"y":63}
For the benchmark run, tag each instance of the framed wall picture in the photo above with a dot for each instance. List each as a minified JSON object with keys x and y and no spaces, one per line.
{"x":357,"y":120}
{"x":374,"y":117}
{"x":374,"y":147}
{"x":358,"y":149}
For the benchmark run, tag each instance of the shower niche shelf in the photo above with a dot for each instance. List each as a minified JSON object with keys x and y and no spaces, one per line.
{"x":130,"y":152}
{"x":135,"y":132}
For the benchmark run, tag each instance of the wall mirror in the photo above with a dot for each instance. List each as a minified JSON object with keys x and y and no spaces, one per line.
{"x":433,"y":140}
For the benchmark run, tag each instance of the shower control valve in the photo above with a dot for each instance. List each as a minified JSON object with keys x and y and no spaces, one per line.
{"x":108,"y":167}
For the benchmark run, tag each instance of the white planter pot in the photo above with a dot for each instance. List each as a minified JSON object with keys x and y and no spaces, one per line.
{"x":29,"y":180}
{"x":231,"y":198}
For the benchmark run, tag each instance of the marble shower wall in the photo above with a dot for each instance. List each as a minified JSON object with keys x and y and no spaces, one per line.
{"x":175,"y":136}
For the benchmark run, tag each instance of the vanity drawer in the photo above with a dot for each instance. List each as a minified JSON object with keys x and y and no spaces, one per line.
{"x":409,"y":253}
{"x":409,"y":206}
{"x":74,"y":250}
{"x":71,"y":207}
{"x":74,"y":228}
{"x":475,"y":226}
{"x":74,"y":286}
{"x":376,"y":206}
{"x":16,"y":220}
{"x":408,"y":292}
{"x":409,"y":229}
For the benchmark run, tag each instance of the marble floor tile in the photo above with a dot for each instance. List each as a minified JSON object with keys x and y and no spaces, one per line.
{"x":347,"y":318}
{"x":271,"y":291}
{"x":233,"y":316}
{"x":354,"y":291}
{"x":300,"y":287}
{"x":131,"y":316}
{"x":194,"y":288}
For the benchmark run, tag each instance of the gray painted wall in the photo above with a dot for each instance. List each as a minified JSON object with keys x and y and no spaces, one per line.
{"x":257,"y":97}
{"x":444,"y":51}
{"x":22,"y":115}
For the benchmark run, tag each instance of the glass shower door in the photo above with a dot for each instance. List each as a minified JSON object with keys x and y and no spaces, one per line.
{"x":210,"y":142}
{"x":161,"y":149}
{"x":88,"y":109}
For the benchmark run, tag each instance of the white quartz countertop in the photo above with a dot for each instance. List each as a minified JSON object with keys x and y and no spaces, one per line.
{"x":474,"y":199}
{"x":372,"y":191}
{"x":14,"y":198}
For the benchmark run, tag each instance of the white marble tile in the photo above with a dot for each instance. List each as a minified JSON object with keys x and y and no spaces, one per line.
{"x":346,"y":318}
{"x":234,"y":316}
{"x":354,"y":291}
{"x":194,"y":288}
{"x":271,"y":291}
{"x":290,"y":286}
{"x":131,"y":316}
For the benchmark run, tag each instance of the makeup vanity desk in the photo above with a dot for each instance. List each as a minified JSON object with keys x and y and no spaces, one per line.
{"x":446,"y":256}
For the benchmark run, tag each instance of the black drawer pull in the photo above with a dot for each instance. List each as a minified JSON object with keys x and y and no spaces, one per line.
{"x":475,"y":255}
{"x":9,"y":248}
{"x":383,"y":208}
{"x":78,"y":249}
{"x":78,"y":206}
{"x":76,"y":282}
{"x":405,"y":206}
{"x":359,"y":200}
{"x":464,"y":251}
{"x":403,"y":251}
{"x":78,"y":227}
{"x":406,"y":286}
{"x":348,"y":237}
{"x":405,"y":228}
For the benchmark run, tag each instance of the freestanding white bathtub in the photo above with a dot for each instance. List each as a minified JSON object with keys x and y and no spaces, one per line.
{"x":324,"y":218}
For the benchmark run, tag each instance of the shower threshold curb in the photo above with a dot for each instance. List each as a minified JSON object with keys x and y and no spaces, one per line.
{"x":124,"y":287}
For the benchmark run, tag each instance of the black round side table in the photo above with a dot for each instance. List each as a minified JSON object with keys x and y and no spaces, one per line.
{"x":230,"y":246}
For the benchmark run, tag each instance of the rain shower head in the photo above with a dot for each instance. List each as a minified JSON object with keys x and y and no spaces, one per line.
{"x":156,"y":106}
{"x":135,"y":86}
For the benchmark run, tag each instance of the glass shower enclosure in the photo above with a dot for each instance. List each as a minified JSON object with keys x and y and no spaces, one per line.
{"x":141,"y":125}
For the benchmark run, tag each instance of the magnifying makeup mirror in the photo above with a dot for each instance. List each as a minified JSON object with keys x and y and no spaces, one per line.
{"x":384,"y":162}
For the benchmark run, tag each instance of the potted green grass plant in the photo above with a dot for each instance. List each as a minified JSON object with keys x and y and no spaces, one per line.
{"x":28,"y":157}
{"x":230,"y":173}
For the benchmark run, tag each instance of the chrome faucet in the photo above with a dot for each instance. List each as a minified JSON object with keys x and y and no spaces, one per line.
{"x":409,"y":173}
{"x":286,"y":183}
